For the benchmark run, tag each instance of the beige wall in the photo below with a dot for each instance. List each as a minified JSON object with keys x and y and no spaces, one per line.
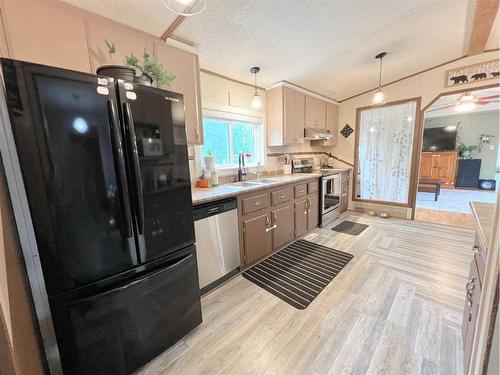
{"x":20,"y":331}
{"x":427,"y":85}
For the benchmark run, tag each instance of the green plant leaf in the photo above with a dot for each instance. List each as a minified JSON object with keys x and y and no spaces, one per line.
{"x":111,"y":46}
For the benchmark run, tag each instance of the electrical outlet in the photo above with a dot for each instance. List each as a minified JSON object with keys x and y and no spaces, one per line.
{"x":492,"y":147}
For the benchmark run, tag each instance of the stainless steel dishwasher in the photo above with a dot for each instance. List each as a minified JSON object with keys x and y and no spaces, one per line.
{"x":217,"y":242}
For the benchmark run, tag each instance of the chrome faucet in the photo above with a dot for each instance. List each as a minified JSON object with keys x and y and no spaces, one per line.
{"x":242,"y":171}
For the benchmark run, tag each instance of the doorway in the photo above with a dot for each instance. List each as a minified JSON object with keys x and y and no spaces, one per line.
{"x":459,"y":157}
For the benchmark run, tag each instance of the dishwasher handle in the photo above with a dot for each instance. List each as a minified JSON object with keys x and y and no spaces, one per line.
{"x":203,"y":211}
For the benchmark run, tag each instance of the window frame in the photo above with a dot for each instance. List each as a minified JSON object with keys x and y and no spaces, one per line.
{"x":240,"y":116}
{"x":417,"y":131}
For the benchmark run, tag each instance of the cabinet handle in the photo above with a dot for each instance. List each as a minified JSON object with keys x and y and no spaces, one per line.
{"x":476,"y":250}
{"x":275,"y":218}
{"x":268,"y":228}
{"x":255,"y":204}
{"x":308,"y":205}
{"x":469,"y":289}
{"x":301,"y":191}
{"x":196,"y":132}
{"x":282,"y":196}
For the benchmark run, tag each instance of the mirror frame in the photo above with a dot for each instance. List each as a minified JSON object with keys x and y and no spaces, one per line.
{"x":415,"y":159}
{"x":413,"y":197}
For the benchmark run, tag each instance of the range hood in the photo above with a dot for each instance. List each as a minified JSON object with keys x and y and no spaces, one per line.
{"x":317,"y":133}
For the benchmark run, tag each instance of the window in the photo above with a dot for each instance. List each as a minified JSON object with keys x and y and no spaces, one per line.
{"x":226,"y":139}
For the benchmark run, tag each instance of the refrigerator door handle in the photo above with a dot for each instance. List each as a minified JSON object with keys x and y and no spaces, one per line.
{"x":118,"y":151}
{"x":137,"y":170}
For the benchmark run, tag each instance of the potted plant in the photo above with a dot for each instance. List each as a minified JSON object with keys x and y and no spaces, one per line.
{"x":124,"y":72}
{"x":209,"y":161}
{"x":203,"y":180}
{"x":145,"y":72}
{"x":465,"y":151}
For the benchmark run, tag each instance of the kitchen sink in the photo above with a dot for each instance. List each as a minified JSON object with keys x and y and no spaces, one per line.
{"x":268,"y":181}
{"x":244,"y":184}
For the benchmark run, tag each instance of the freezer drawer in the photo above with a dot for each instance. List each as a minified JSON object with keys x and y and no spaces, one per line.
{"x":120,"y":330}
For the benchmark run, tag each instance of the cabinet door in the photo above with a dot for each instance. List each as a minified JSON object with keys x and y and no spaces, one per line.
{"x":300,"y":217}
{"x":312,"y":212}
{"x":332,"y":122}
{"x":282,"y":218}
{"x":256,"y":240}
{"x":126,"y":41}
{"x":473,"y":293}
{"x":435,"y":166}
{"x":425,"y":166}
{"x":289,"y":134}
{"x":299,"y":114}
{"x":185,"y":66}
{"x":344,"y":200}
{"x":293,"y":120}
{"x":42,"y":33}
{"x":315,"y":112}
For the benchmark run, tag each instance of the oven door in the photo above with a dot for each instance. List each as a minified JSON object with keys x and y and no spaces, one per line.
{"x":331,"y":192}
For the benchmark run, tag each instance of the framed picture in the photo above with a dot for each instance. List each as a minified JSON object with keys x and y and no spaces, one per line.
{"x":472,"y":73}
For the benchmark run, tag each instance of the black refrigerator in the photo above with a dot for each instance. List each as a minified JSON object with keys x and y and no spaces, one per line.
{"x":105,"y":170}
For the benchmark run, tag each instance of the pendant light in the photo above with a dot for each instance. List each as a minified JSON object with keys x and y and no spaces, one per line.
{"x":185,"y":8}
{"x":378,"y":98}
{"x":256,"y":100}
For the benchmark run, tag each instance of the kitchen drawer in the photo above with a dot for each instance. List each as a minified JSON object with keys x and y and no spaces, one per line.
{"x":281,"y":196}
{"x":300,"y":190}
{"x":255,"y":203}
{"x":312,"y":187}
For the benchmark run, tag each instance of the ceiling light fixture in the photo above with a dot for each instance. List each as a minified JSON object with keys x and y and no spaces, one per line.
{"x":185,"y":8}
{"x":256,"y":101}
{"x":378,"y":98}
{"x":466,"y":103}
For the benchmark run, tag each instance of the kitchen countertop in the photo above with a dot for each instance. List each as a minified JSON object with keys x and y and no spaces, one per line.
{"x":204,"y":195}
{"x":484,"y":217}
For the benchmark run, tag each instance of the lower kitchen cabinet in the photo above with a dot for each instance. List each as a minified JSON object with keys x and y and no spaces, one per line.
{"x":300,"y":218}
{"x":282,"y":225}
{"x":312,"y":212}
{"x":344,"y":182}
{"x":271,"y":218}
{"x":256,"y":237}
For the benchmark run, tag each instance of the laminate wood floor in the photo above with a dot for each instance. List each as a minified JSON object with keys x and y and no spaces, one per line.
{"x":395,"y":309}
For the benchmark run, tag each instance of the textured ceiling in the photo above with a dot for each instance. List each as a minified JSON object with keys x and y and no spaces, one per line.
{"x":323,"y":45}
{"x":150,"y":16}
{"x":445,"y":105}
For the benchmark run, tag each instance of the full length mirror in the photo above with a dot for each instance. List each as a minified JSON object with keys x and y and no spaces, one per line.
{"x":384,"y":150}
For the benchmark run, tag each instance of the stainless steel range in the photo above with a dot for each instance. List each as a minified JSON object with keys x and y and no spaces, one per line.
{"x":331,"y":188}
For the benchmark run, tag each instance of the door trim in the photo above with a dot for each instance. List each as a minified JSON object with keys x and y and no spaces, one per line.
{"x":410,"y":203}
{"x":420,"y":136}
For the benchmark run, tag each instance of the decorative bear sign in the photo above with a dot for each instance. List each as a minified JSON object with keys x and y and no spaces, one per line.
{"x":472,"y":73}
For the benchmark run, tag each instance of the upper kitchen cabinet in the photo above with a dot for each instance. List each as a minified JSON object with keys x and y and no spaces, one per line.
{"x":39,"y":32}
{"x":186,"y":68}
{"x":126,"y":40}
{"x":332,"y":123}
{"x":315,"y":112}
{"x":285,"y":116}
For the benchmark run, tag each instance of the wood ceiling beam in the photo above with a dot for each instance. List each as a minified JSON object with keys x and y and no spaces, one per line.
{"x":485,"y":12}
{"x":171,"y":29}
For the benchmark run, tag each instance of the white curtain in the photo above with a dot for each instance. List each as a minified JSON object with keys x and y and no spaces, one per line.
{"x":385,"y":152}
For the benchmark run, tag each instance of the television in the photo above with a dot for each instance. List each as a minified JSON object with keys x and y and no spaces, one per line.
{"x":440,"y":139}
